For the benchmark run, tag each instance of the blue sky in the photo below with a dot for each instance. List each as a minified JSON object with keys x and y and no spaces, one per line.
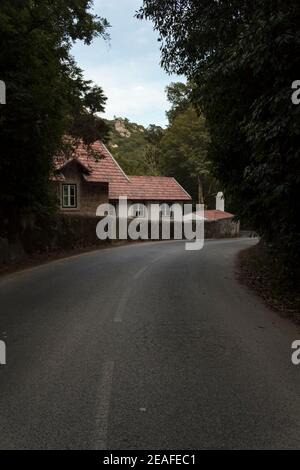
{"x":128,"y":67}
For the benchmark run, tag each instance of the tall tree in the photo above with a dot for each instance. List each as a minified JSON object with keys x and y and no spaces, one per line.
{"x":84,"y":123}
{"x":243,"y":57}
{"x":183,"y":149}
{"x":179,"y":95}
{"x":152,"y":153}
{"x":46,"y":94}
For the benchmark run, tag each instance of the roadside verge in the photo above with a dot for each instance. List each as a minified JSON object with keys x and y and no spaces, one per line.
{"x":257,"y":270}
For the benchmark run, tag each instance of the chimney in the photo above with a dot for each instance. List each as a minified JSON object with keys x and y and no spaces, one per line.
{"x":220,"y":202}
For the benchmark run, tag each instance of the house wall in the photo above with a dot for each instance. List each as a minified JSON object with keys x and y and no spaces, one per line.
{"x":170,"y":203}
{"x":89,"y":195}
{"x":147,"y":204}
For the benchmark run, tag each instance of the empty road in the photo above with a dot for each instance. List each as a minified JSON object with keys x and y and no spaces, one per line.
{"x":145,"y":346}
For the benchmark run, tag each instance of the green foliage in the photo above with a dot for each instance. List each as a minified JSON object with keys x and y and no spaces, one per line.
{"x":46,"y":94}
{"x":179,"y":151}
{"x":179,"y":95}
{"x":184,"y":146}
{"x":84,"y":123}
{"x":137,"y":152}
{"x":243,"y":57}
{"x":184,"y":149}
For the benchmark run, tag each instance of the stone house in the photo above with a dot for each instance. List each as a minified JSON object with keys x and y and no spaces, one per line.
{"x":85,"y":181}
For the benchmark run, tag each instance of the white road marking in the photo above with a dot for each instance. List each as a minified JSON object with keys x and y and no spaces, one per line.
{"x":102,"y":413}
{"x":125,"y":297}
{"x":122,"y":305}
{"x":141,"y":271}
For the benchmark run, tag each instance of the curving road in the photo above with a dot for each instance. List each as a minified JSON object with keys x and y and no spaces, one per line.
{"x":145,"y":346}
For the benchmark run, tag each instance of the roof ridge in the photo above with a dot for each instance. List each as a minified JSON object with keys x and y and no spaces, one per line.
{"x":74,"y":158}
{"x":114,"y":160}
{"x":150,"y":176}
{"x":181,"y":187}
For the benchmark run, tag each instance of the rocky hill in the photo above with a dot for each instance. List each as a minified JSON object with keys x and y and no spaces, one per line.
{"x":128,"y":145}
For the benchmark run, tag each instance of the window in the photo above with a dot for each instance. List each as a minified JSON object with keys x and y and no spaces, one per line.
{"x":69,"y":196}
{"x":138,"y":210}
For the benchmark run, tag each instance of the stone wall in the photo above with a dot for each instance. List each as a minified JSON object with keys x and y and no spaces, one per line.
{"x":89,"y":195}
{"x":223,"y":228}
{"x":53,"y":234}
{"x":68,"y":232}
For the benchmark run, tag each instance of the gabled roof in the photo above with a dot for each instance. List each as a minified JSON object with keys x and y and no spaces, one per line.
{"x":84,"y":167}
{"x":106,"y":169}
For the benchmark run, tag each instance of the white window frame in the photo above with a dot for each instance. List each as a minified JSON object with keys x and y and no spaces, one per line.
{"x":71,"y":193}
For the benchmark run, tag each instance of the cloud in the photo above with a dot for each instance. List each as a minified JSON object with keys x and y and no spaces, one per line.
{"x":130,"y":94}
{"x":128,"y":67}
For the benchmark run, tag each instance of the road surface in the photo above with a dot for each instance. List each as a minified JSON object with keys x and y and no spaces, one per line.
{"x":146,"y":346}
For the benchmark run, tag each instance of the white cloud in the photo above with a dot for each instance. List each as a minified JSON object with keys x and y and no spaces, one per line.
{"x":130,"y":95}
{"x":128,"y":67}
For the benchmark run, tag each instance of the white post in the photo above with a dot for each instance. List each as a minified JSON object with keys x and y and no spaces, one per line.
{"x":220,"y":202}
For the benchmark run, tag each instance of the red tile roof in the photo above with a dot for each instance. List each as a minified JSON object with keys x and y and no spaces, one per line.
{"x":217,"y":215}
{"x":106,"y":169}
{"x":157,"y":187}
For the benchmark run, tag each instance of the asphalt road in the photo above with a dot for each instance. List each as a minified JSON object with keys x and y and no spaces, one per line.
{"x":145,"y":346}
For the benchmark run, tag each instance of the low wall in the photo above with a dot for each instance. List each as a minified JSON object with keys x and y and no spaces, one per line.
{"x":62,"y":233}
{"x":55,"y":234}
{"x":223,"y":228}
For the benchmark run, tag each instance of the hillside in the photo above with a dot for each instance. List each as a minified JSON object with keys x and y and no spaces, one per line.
{"x":128,"y":145}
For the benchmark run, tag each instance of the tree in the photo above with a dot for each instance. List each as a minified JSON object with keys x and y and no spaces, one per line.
{"x":46,"y":95}
{"x":242,"y":57}
{"x":152,"y":153}
{"x":184,"y":148}
{"x":179,"y":95}
{"x":84,"y":122}
{"x":185,"y":145}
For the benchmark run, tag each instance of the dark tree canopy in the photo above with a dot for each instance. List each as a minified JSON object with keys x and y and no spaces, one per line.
{"x":179,"y":95}
{"x":46,"y":95}
{"x":184,"y":146}
{"x":243,"y":56}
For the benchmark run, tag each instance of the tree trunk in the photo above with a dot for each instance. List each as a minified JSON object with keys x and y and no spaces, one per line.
{"x":200,"y":191}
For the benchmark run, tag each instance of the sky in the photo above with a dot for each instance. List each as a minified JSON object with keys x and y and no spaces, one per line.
{"x":128,"y":66}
